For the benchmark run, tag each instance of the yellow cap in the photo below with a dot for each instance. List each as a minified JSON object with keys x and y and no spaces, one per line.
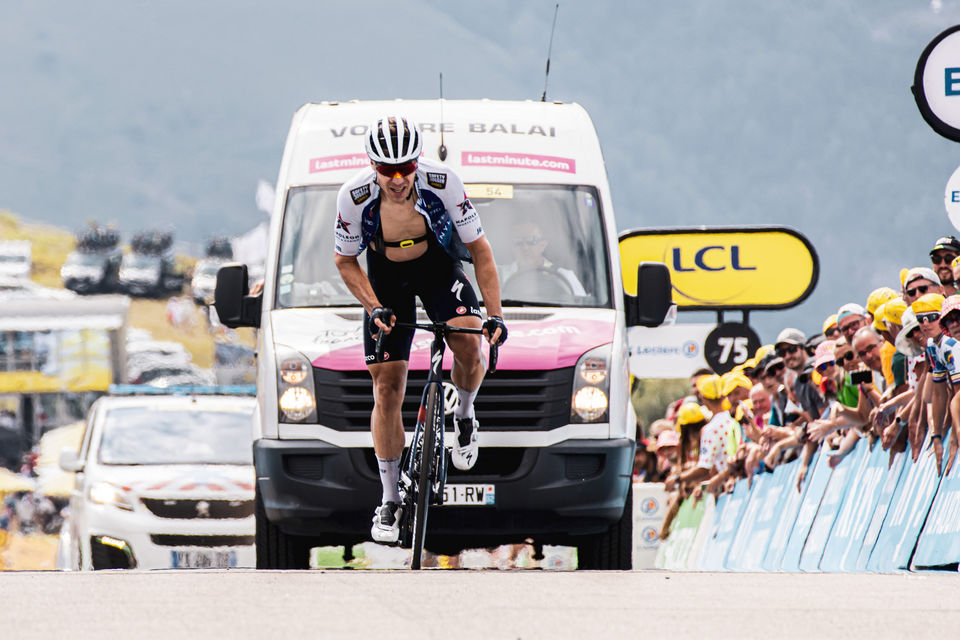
{"x":691,"y":413}
{"x":733,"y":380}
{"x":927,"y":302}
{"x":903,"y":276}
{"x":878,"y":297}
{"x":710,"y":387}
{"x":746,"y":404}
{"x":831,"y":321}
{"x":893,"y":310}
{"x":763,"y":351}
{"x":955,"y":263}
{"x":879,"y":319}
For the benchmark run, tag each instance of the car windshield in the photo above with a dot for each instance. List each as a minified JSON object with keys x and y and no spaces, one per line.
{"x":85,"y":259}
{"x":142,"y":435}
{"x":548,"y":242}
{"x":139,"y":261}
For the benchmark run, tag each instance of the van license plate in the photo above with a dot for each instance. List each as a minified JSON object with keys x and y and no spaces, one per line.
{"x":462,"y":495}
{"x":203,"y":559}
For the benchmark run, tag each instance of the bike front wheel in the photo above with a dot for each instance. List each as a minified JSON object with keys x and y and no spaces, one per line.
{"x":433,"y":422}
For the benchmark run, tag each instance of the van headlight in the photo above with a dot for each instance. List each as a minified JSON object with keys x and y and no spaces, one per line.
{"x":297,"y":402}
{"x":106,"y":493}
{"x":591,"y":386}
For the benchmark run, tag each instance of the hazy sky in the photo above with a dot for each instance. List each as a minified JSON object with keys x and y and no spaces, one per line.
{"x":709,"y":112}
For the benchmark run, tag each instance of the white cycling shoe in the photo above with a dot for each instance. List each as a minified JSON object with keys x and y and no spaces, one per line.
{"x":466,"y":448}
{"x":386,"y":523}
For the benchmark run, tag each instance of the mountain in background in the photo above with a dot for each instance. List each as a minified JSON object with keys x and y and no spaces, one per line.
{"x":147,"y":114}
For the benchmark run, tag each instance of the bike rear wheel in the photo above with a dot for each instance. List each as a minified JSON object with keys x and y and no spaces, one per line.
{"x":433,"y":422}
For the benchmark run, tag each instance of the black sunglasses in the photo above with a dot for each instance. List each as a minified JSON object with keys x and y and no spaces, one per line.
{"x":918,"y":289}
{"x":774,"y":370}
{"x":938,"y":259}
{"x":831,"y":332}
{"x":847,"y":357}
{"x":867,"y":350}
{"x":790,"y":348}
{"x":932,"y":316}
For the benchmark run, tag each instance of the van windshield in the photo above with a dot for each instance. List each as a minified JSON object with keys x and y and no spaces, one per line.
{"x":548,"y":242}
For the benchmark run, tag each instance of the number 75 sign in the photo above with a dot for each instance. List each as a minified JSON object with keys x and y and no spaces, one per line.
{"x":730,"y":344}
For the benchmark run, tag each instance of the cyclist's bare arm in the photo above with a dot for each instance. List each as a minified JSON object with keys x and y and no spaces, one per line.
{"x":358,"y":284}
{"x":487,"y":278}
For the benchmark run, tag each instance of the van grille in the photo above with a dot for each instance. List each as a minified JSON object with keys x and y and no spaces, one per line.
{"x":508,"y":400}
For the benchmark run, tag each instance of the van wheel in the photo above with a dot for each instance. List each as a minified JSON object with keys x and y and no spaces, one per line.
{"x":613,"y":549}
{"x":276,"y":549}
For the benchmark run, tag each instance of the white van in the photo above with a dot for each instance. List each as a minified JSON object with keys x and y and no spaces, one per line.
{"x":557,"y":430}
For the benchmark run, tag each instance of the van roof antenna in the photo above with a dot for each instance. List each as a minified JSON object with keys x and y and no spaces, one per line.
{"x":546,"y":76}
{"x":442,"y":151}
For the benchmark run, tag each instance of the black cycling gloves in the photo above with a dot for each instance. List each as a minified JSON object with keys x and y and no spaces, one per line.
{"x":384,"y":315}
{"x":492,"y":324}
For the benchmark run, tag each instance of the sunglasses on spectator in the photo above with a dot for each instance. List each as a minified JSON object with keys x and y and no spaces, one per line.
{"x":790,"y":348}
{"x":846,"y":357}
{"x":932,"y":316}
{"x":824,"y":366}
{"x":528,"y":241}
{"x":832,"y":332}
{"x":919,"y":289}
{"x":774,"y":370}
{"x":396,"y":170}
{"x":867,"y":350}
{"x":942,"y":259}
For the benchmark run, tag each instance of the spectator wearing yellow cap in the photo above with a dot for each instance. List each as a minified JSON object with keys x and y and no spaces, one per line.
{"x":876,"y":298}
{"x":690,"y":419}
{"x":950,"y":321}
{"x":736,"y":389}
{"x":927,"y":309}
{"x":887,"y":350}
{"x":919,"y":281}
{"x":830,"y":329}
{"x":944,"y":252}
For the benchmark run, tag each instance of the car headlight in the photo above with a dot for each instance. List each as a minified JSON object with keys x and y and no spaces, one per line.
{"x":591,"y":386}
{"x":297,"y":402}
{"x":106,"y":493}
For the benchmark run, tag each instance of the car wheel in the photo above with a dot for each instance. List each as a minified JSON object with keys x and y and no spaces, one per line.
{"x":612,"y":549}
{"x":276,"y":549}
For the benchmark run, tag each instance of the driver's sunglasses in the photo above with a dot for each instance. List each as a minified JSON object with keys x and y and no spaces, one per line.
{"x":528,"y":241}
{"x":395,"y":170}
{"x":920,"y":289}
{"x":938,"y":259}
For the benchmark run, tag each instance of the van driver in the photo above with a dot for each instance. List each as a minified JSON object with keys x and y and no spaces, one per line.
{"x":413,"y":216}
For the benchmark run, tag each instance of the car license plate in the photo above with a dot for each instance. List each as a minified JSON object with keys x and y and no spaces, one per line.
{"x":203,"y":559}
{"x":469,"y":494}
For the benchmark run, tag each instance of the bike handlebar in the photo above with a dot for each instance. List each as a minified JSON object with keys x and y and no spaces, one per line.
{"x":439,"y":329}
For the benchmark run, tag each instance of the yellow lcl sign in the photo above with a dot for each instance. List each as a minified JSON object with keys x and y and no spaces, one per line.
{"x":726,"y":268}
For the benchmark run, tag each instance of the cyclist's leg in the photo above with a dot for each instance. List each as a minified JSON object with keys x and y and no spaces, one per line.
{"x":452,"y":299}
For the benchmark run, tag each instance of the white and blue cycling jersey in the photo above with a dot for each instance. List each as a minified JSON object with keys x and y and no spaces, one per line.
{"x":441,"y":199}
{"x":943,"y":355}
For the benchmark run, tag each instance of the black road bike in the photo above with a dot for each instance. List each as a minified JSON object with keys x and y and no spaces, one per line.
{"x":423,"y":469}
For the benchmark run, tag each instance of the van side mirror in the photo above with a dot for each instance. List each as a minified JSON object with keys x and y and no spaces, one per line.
{"x":70,"y":461}
{"x":232,"y":300}
{"x":653,"y":300}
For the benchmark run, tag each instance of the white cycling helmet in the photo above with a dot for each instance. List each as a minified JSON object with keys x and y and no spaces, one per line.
{"x":393,"y":140}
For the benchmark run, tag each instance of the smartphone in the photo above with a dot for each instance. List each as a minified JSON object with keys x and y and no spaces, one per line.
{"x":861,"y":377}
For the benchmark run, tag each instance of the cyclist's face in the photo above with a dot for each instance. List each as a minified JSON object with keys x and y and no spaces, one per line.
{"x":397,"y":188}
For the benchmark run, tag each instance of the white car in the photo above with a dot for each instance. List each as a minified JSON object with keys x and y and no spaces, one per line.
{"x":162,"y":481}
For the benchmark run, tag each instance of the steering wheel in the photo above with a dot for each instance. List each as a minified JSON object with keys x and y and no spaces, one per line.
{"x":538,"y":284}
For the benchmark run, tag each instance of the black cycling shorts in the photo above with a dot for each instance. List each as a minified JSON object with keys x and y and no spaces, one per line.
{"x":436,"y":278}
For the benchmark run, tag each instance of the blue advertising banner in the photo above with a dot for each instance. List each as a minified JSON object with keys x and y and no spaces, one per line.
{"x":785,"y":477}
{"x":907,"y":513}
{"x":851,"y":524}
{"x":744,"y":545}
{"x":830,"y":505}
{"x":939,"y":542}
{"x":891,"y":480}
{"x":817,"y":477}
{"x":715,"y":550}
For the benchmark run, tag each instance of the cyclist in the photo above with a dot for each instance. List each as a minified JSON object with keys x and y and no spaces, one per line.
{"x":414,"y":217}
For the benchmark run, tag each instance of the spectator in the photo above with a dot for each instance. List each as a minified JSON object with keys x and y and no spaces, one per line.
{"x":668,"y":450}
{"x":851,"y":317}
{"x":830,"y":330}
{"x":927,"y":309}
{"x":878,"y":297}
{"x":918,"y":281}
{"x":790,"y":347}
{"x":645,"y":462}
{"x":944,"y":252}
